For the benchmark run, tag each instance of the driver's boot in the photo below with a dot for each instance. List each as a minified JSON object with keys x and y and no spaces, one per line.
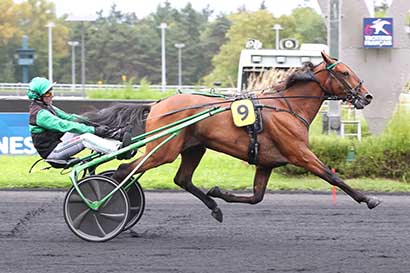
{"x":126,"y":141}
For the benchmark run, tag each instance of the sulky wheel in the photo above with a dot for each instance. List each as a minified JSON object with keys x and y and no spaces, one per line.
{"x":102,"y":224}
{"x":136,"y":198}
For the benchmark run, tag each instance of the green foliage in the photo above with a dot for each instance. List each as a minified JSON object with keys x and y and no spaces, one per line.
{"x":29,"y":18}
{"x":245,"y":25}
{"x":381,"y":8}
{"x":212,"y":39}
{"x":144,"y":92}
{"x":304,"y":24}
{"x":308,"y":25}
{"x":120,"y":44}
{"x":387,"y":155}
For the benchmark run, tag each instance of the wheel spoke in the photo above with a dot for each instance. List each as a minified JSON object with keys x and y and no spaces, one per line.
{"x":96,"y":187}
{"x":100,"y":228}
{"x":80,"y":217}
{"x":76,"y":198}
{"x":113,"y":216}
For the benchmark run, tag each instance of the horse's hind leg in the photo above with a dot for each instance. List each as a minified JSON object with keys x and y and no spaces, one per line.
{"x":310,"y":162}
{"x":190,"y":160}
{"x":259,"y":186}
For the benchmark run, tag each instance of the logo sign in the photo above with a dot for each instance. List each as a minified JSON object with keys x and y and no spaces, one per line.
{"x":378,"y":32}
{"x":243,"y":112}
{"x":15,"y":138}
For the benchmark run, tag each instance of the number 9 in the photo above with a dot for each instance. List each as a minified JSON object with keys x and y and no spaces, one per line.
{"x":243,"y":111}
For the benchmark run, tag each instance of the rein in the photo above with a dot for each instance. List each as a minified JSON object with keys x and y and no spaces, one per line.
{"x":351,"y":94}
{"x":262,"y":106}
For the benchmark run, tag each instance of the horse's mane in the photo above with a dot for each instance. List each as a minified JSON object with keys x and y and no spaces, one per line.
{"x":120,"y":115}
{"x":302,"y":74}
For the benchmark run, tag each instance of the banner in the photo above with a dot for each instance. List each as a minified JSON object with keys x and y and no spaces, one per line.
{"x":15,"y":138}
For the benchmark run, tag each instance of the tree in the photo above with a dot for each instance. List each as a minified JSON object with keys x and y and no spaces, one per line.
{"x":212,"y":38}
{"x":34,"y":16}
{"x":309,"y":25}
{"x":9,"y":21}
{"x":187,"y":27}
{"x":244,"y":26}
{"x":111,"y":47}
{"x":304,"y":24}
{"x":9,"y":33}
{"x":380,"y":10}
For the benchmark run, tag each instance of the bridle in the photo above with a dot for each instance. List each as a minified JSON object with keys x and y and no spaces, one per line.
{"x":351,"y":93}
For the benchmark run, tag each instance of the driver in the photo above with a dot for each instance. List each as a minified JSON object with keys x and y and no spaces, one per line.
{"x":59,"y":135}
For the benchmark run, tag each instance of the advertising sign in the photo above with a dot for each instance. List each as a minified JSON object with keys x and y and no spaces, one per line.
{"x":377,"y":32}
{"x":15,"y":138}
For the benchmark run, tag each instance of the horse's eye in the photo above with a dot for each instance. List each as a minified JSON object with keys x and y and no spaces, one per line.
{"x":346,"y":74}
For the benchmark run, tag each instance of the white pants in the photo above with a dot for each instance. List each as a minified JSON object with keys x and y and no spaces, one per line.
{"x":73,"y":143}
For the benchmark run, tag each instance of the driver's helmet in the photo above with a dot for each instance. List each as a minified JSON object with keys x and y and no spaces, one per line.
{"x":38,"y":87}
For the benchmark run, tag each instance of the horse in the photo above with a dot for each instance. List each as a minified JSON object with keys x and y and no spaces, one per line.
{"x":286,"y":113}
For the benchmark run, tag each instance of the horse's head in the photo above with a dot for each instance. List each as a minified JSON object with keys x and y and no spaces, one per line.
{"x":343,"y":83}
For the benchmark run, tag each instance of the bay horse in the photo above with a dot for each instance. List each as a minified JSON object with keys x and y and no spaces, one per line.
{"x":287,"y":113}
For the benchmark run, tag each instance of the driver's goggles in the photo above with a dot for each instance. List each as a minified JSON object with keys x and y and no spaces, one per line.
{"x":48,"y":94}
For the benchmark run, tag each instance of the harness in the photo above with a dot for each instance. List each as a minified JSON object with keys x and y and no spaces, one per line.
{"x":253,"y":131}
{"x":257,"y":127}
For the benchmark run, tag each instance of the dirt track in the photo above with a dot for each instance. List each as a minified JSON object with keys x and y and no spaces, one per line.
{"x":286,"y":233}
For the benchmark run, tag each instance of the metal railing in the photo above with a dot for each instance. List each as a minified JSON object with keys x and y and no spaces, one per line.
{"x":356,"y":124}
{"x":20,"y":89}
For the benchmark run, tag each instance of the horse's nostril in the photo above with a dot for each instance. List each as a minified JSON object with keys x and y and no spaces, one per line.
{"x":369,"y":97}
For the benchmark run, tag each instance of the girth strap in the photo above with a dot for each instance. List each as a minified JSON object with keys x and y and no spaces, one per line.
{"x":253,"y":131}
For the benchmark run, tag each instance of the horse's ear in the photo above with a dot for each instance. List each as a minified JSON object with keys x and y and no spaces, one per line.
{"x":327,"y":58}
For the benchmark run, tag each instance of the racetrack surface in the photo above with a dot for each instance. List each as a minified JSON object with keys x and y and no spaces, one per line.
{"x":285,"y":233}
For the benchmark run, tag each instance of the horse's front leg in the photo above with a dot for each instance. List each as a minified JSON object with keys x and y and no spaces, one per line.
{"x":259,"y":186}
{"x":310,"y":162}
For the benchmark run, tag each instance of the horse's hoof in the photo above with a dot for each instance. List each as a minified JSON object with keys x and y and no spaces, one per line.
{"x":373,"y":202}
{"x":214,"y":192}
{"x":217,"y":214}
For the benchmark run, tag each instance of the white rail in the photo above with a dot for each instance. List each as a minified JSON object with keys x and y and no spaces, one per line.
{"x":354,"y":123}
{"x":20,"y":89}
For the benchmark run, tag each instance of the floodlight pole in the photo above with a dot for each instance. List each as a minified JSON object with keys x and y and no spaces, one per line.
{"x":179,"y":46}
{"x":277,"y":28}
{"x":82,"y":20}
{"x":73,"y":44}
{"x":82,"y":59}
{"x":50,"y":26}
{"x":163,"y":26}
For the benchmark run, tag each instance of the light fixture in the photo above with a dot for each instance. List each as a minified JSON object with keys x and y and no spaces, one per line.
{"x":256,"y":58}
{"x":281,"y":59}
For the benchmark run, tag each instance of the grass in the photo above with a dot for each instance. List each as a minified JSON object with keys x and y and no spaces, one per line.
{"x":143,"y":93}
{"x":215,"y":169}
{"x":129,"y":94}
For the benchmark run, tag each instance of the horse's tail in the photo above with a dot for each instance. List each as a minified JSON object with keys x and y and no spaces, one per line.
{"x":121,"y":115}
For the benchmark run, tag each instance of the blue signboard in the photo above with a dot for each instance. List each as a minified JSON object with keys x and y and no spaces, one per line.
{"x":15,"y":138}
{"x":377,"y":32}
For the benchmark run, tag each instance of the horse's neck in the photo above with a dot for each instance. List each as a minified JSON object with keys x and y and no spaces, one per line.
{"x":309,"y":105}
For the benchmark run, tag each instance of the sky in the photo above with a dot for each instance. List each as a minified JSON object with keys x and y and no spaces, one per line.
{"x":144,"y":7}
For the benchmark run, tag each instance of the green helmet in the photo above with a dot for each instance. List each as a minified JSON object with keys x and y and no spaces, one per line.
{"x":38,"y":87}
